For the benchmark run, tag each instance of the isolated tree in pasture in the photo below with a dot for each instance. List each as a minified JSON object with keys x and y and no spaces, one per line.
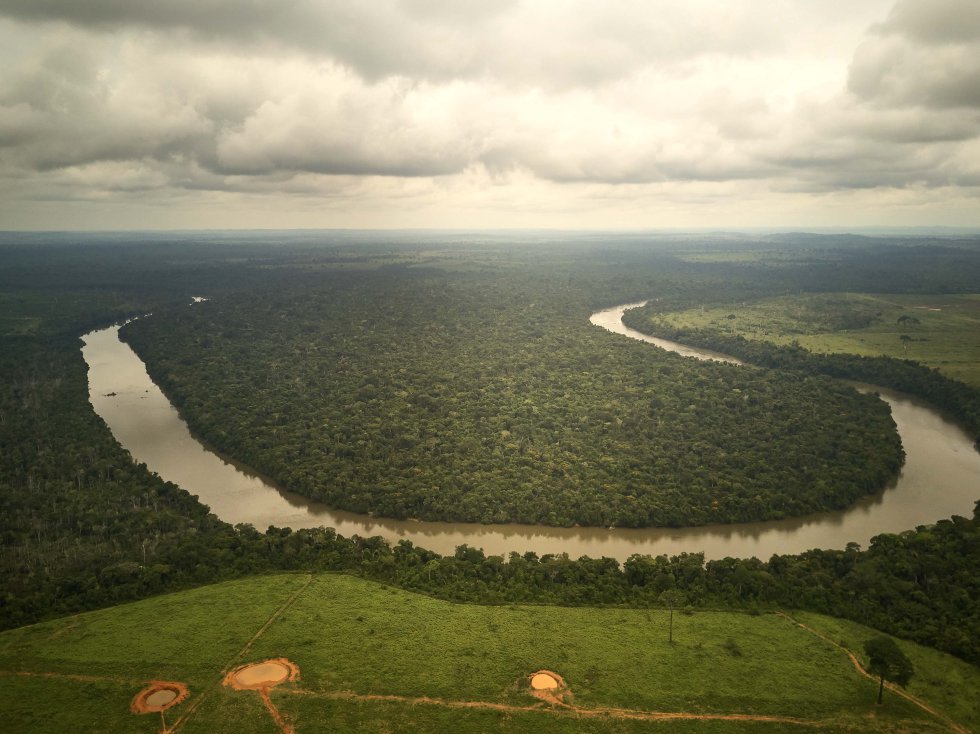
{"x":888,"y":662}
{"x":672,"y":598}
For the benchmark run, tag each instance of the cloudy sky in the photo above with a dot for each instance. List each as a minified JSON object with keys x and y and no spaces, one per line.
{"x":119,"y":114}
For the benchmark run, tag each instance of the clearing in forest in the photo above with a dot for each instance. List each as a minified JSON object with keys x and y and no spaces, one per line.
{"x":941,"y":331}
{"x":376,"y":657}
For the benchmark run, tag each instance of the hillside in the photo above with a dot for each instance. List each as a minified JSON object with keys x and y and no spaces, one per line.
{"x":374,"y":658}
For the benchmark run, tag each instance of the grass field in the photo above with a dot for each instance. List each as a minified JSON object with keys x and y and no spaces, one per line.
{"x":952,"y":685}
{"x":377,"y":659}
{"x":942,"y":331}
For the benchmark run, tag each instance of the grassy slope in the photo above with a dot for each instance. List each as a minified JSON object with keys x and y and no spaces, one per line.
{"x":947,"y":338}
{"x":349,"y":635}
{"x":947,"y":683}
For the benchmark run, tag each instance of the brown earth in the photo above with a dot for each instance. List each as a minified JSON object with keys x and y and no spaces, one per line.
{"x":264,"y":675}
{"x":261,"y":677}
{"x":549,"y":687}
{"x":158,"y":696}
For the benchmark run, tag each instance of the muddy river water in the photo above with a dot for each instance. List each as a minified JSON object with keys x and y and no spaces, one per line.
{"x":941,"y":477}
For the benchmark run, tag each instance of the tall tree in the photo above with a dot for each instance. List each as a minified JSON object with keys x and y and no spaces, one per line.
{"x":672,"y":598}
{"x":887,"y":662}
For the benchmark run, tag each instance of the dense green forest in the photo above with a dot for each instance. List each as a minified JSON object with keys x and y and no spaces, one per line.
{"x":489,"y":398}
{"x":83,"y":526}
{"x":79,"y":518}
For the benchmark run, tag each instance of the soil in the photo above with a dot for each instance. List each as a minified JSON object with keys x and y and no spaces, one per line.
{"x":158,"y":696}
{"x":543,"y":681}
{"x":549,"y":687}
{"x":262,"y":676}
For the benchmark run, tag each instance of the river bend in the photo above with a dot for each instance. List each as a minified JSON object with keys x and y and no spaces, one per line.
{"x":939,"y":479}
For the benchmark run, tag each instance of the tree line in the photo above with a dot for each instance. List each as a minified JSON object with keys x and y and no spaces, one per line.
{"x":951,"y":396}
{"x":82,"y":526}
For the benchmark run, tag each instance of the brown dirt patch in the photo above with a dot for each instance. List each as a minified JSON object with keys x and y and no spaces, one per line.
{"x":263,"y":675}
{"x":158,"y":696}
{"x":549,"y":687}
{"x":543,"y":681}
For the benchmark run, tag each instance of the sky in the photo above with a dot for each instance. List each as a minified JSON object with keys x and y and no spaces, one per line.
{"x":567,"y":114}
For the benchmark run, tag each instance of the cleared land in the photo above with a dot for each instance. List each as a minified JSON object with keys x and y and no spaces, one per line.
{"x":941,"y":331}
{"x":372,"y":658}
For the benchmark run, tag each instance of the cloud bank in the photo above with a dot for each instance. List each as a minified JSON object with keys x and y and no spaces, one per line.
{"x":473,"y":113}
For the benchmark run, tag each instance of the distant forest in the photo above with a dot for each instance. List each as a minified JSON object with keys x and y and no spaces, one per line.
{"x":83,"y":526}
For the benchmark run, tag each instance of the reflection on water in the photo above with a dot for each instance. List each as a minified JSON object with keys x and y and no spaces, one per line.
{"x":939,"y":479}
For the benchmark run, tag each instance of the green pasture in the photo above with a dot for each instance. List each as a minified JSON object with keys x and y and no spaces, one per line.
{"x":947,"y":683}
{"x":421,"y":657}
{"x":941,"y":331}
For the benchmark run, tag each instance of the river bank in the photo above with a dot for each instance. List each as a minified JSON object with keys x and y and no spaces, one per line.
{"x":937,"y":480}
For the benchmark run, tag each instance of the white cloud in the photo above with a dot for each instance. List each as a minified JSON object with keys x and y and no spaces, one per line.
{"x":510,"y":111}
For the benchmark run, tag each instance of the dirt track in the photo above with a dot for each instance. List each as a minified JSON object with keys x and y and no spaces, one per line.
{"x":890,"y":686}
{"x":264,"y":676}
{"x":241,"y":655}
{"x":561,"y":708}
{"x":549,"y":703}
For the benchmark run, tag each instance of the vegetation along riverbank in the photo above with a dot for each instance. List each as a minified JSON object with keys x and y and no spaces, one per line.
{"x":84,"y":527}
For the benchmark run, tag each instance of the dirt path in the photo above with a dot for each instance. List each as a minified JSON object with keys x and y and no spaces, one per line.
{"x":564,"y":708}
{"x":195,"y":703}
{"x":890,"y":686}
{"x":277,"y":717}
{"x":263,"y":677}
{"x":554,"y":707}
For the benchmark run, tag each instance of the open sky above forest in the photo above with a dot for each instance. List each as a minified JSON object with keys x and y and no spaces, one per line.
{"x":489,"y":113}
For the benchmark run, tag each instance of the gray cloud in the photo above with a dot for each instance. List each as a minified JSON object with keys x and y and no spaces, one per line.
{"x":62,"y":109}
{"x":897,"y":71}
{"x":575,"y":43}
{"x":853,"y":148}
{"x":393,"y":100}
{"x":924,"y":54}
{"x":935,"y":21}
{"x":909,"y":116}
{"x":73,"y":104}
{"x":338,"y":29}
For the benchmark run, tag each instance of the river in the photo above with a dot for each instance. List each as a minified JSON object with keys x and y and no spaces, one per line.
{"x":939,"y":479}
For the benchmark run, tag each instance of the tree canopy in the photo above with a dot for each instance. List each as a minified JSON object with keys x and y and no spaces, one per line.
{"x":490,"y":398}
{"x":82,"y":526}
{"x":888,"y":662}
